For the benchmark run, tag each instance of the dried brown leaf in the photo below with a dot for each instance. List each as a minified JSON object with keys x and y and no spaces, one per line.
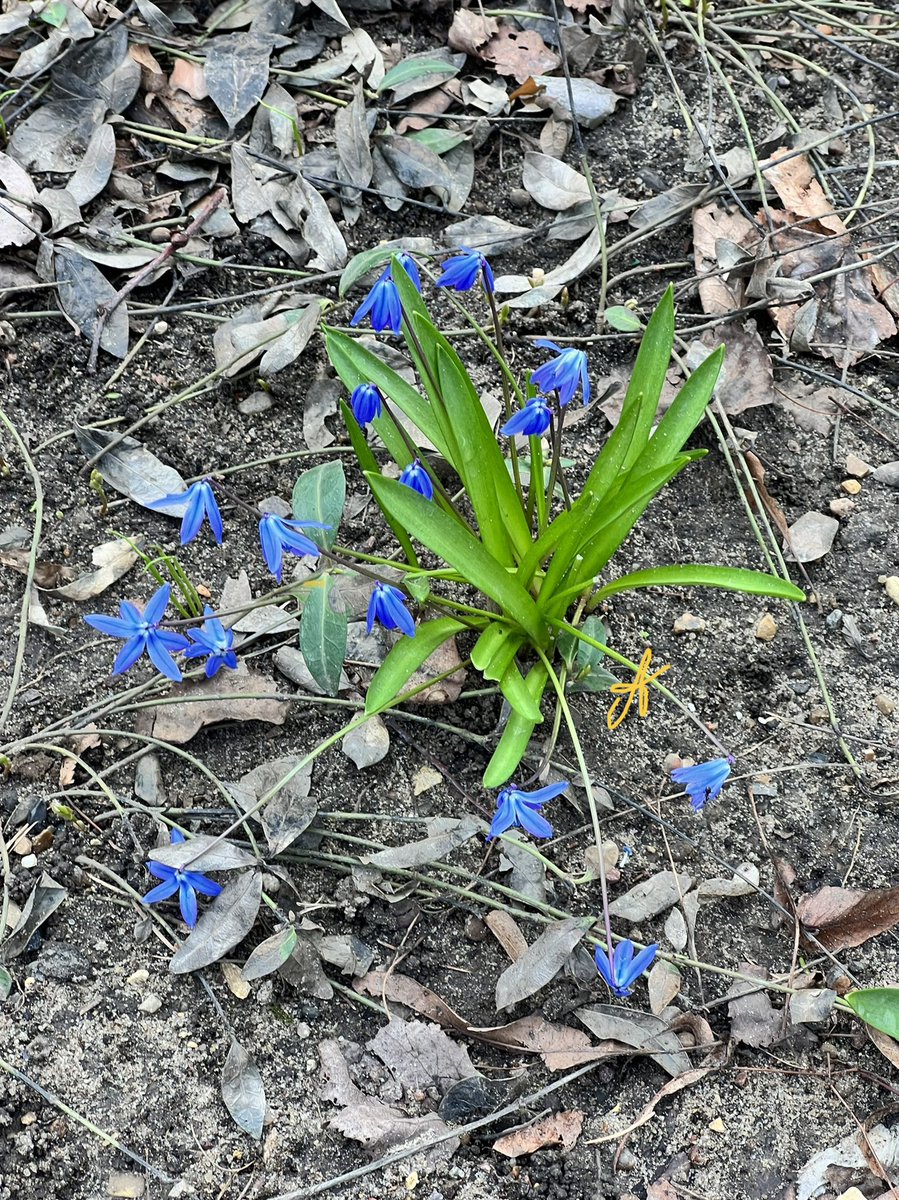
{"x":800,"y":192}
{"x":420,"y":1055}
{"x":841,"y":918}
{"x":189,"y":77}
{"x":560,"y":1129}
{"x":720,"y":291}
{"x":219,"y":699}
{"x":470,"y":31}
{"x":519,"y":53}
{"x":753,"y":1020}
{"x":505,"y":929}
{"x":541,"y":962}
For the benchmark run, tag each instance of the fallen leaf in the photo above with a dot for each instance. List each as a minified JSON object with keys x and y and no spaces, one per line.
{"x":745,"y":882}
{"x":204,"y":852}
{"x":584,"y":257}
{"x":642,"y":1031}
{"x":505,"y":929}
{"x":753,"y":1020}
{"x":592,"y":103}
{"x":367,"y":744}
{"x":560,"y":1129}
{"x":133,"y":470}
{"x":243,"y":1092}
{"x":223,"y":924}
{"x":290,"y":811}
{"x":715,"y":231}
{"x":469,"y":31}
{"x":841,"y":918}
{"x":303,"y":969}
{"x":43,"y":900}
{"x":269,"y":955}
{"x":490,"y":234}
{"x":664,"y":983}
{"x":552,"y":183}
{"x":811,"y":1005}
{"x":528,"y":872}
{"x":81,"y":290}
{"x":219,"y":699}
{"x":521,"y":53}
{"x":800,"y":192}
{"x":428,"y":850}
{"x":746,"y":379}
{"x":19,"y":223}
{"x":814,"y":1178}
{"x":542,"y":961}
{"x":420,"y":1055}
{"x":236,"y":72}
{"x":811,"y":537}
{"x":112,"y":560}
{"x":651,"y":897}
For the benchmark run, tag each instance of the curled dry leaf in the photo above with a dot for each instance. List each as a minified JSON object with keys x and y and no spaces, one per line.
{"x":560,"y":1129}
{"x":841,"y":918}
{"x":222,"y":925}
{"x":19,"y":223}
{"x":222,"y":698}
{"x":718,"y":233}
{"x":664,"y":984}
{"x":428,"y":850}
{"x":541,"y":961}
{"x":641,"y":1031}
{"x":552,"y":183}
{"x":753,"y":1019}
{"x":469,"y":31}
{"x":112,"y":560}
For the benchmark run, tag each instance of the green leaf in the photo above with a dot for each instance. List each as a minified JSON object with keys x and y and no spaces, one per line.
{"x":441,"y":141}
{"x":361,"y":264}
{"x":406,"y":657}
{"x":588,"y":656}
{"x":459,"y":547}
{"x":514,"y":688}
{"x":368,"y":462}
{"x":877,"y":1007}
{"x":55,"y":13}
{"x":414,"y":67}
{"x":319,"y":495}
{"x":517,"y":735}
{"x":731,"y":579}
{"x":684,"y":414}
{"x":418,"y":587}
{"x":625,"y":320}
{"x":5,"y":984}
{"x":648,"y":378}
{"x":323,"y":636}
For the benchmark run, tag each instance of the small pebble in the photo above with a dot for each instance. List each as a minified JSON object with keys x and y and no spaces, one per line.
{"x":834,"y":619}
{"x":765,"y":628}
{"x":818,"y":716}
{"x":852,"y":486}
{"x":475,"y":929}
{"x":29,"y":861}
{"x":256,"y":402}
{"x":150,"y":1004}
{"x":125,"y":1185}
{"x":885,"y":705}
{"x":689,"y":623}
{"x":519,"y":198}
{"x":888,"y":473}
{"x":857,"y":466}
{"x":717,"y":1126}
{"x":22,"y":845}
{"x":138,"y":978}
{"x":29,"y":1118}
{"x":841,"y":507}
{"x":161,"y":328}
{"x":891,"y":583}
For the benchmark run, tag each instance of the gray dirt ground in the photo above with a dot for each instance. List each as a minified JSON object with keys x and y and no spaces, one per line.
{"x":78,"y":1022}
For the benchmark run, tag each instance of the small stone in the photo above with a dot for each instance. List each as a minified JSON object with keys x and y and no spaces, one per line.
{"x":138,"y":978}
{"x":29,"y":861}
{"x":851,"y":486}
{"x":689,"y":623}
{"x":841,"y":507}
{"x":125,"y":1185}
{"x":43,"y":841}
{"x":29,"y":1118}
{"x":22,"y":845}
{"x":891,"y":583}
{"x":765,"y":628}
{"x":857,"y":466}
{"x":852,"y":1194}
{"x":834,"y":619}
{"x":161,"y":328}
{"x":148,"y":785}
{"x":885,"y":705}
{"x":869,"y":755}
{"x":888,"y":473}
{"x":475,"y":929}
{"x":302,"y":1031}
{"x":271,"y":884}
{"x":255,"y":403}
{"x":150,"y":1004}
{"x":717,"y":1126}
{"x":818,"y":716}
{"x":519,"y":198}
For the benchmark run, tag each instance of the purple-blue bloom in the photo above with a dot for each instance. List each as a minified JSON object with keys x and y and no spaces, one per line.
{"x":515,"y":807}
{"x":532,"y":420}
{"x":383,"y":302}
{"x":366,"y":402}
{"x":212,"y":639}
{"x":417,"y":478}
{"x":461,"y":272}
{"x":410,"y":266}
{"x":388,"y":606}
{"x":279,"y":536}
{"x":704,"y":781}
{"x":142,"y":633}
{"x":185,"y":883}
{"x":562,"y":374}
{"x":201,"y":503}
{"x":620,"y":969}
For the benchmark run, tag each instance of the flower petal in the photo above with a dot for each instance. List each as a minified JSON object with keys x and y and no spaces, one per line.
{"x":187,"y":898}
{"x":162,"y":891}
{"x":157,"y":604}
{"x":129,"y":653}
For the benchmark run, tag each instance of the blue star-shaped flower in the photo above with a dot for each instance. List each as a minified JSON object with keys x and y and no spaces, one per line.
{"x":142,"y":633}
{"x":383,"y":302}
{"x":410,"y":266}
{"x":366,"y":402}
{"x":704,"y":781}
{"x":201,"y":503}
{"x":532,"y":420}
{"x":620,"y":969}
{"x":562,"y":374}
{"x":461,"y":272}
{"x":515,"y":807}
{"x":388,"y":606}
{"x":214,"y":641}
{"x":279,"y":536}
{"x":185,"y":883}
{"x":417,"y":478}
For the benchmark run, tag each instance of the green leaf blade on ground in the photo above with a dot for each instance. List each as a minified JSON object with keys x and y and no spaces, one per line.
{"x":323,"y":636}
{"x":731,"y":579}
{"x":319,"y":494}
{"x":877,"y":1007}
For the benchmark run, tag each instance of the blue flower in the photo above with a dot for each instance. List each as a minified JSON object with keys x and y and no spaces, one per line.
{"x":383,"y":302}
{"x":532,"y":420}
{"x":703,"y":781}
{"x":201,"y":502}
{"x":366,"y":403}
{"x":214,"y":640}
{"x":185,"y":883}
{"x":562,"y":374}
{"x":410,"y":266}
{"x":417,"y":478}
{"x":388,"y":606}
{"x":279,"y":535}
{"x":620,"y":969}
{"x":515,"y":807}
{"x":461,"y":272}
{"x":141,"y":632}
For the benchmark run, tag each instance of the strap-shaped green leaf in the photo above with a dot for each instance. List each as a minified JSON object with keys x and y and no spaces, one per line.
{"x":368,"y":462}
{"x":406,"y":657}
{"x":323,"y":636}
{"x":503,"y":656}
{"x":684,"y":414}
{"x":877,"y":1007}
{"x":513,"y":687}
{"x":319,"y":494}
{"x":488,"y":643}
{"x":517,"y":735}
{"x":461,"y":549}
{"x":648,"y":377}
{"x":731,"y":579}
